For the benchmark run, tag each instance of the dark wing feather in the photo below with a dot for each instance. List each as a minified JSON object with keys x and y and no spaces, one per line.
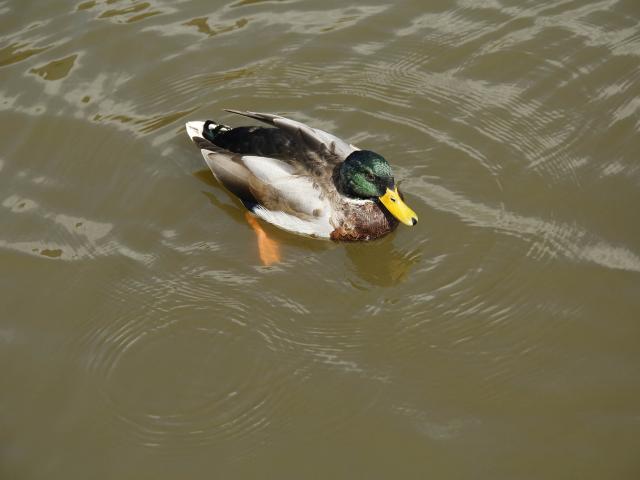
{"x":262,"y":141}
{"x":313,"y":142}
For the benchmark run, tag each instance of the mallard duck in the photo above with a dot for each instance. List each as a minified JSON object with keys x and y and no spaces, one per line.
{"x":302,"y":179}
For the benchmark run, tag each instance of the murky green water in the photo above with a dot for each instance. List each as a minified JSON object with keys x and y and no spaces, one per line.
{"x":140,"y":336}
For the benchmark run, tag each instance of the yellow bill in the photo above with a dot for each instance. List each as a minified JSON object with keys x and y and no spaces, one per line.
{"x":396,"y":206}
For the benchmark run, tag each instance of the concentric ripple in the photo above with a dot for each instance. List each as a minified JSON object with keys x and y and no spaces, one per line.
{"x":218,"y":391}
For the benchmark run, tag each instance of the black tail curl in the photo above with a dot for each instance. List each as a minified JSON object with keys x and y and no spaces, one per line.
{"x":211,"y":129}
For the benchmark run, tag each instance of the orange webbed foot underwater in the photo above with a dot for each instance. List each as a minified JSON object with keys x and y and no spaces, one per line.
{"x":268,"y":248}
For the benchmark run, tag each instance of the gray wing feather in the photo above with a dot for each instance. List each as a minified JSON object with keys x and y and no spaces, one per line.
{"x":231,"y":173}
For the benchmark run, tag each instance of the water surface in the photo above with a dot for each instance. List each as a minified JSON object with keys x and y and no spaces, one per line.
{"x":140,"y":335}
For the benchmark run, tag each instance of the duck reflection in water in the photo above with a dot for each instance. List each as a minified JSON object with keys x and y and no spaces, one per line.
{"x":380,"y":262}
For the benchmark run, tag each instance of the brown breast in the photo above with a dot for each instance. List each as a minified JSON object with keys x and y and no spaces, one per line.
{"x":364,"y":222}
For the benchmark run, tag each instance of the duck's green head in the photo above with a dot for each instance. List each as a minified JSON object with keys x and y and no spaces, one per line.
{"x":367,"y":175}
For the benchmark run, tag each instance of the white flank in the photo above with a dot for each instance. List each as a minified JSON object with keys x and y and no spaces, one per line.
{"x":267,"y":169}
{"x":296,"y":190}
{"x":318,"y":227}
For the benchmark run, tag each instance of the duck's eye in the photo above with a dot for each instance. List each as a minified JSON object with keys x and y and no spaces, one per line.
{"x":370,"y":177}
